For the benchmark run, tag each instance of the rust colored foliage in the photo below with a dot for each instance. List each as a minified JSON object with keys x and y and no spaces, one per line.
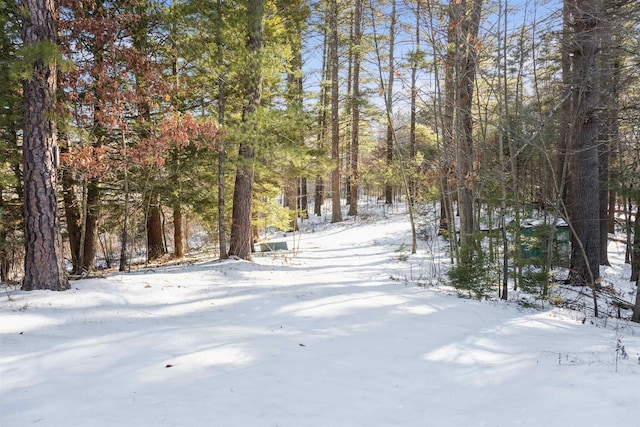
{"x":114,"y":87}
{"x":89,"y":162}
{"x":177,"y":131}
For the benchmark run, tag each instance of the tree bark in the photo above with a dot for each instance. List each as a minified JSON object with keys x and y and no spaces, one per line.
{"x":336,"y":210}
{"x":318,"y":199}
{"x":447,"y":220}
{"x":388,"y":188}
{"x":355,"y":107}
{"x":584,"y":176}
{"x":465,"y":62}
{"x":222,"y":225}
{"x":635,"y":247}
{"x":291,"y":201}
{"x":44,"y":258}
{"x":635,"y":316}
{"x":72,"y":217}
{"x":155,"y":244}
{"x":241,"y":240}
{"x":92,"y":216}
{"x":413,"y":105}
{"x":606,"y":129}
{"x":304,"y":198}
{"x":178,"y":232}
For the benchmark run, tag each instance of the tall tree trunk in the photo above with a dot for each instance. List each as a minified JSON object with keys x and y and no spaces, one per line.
{"x":318,"y":198}
{"x":614,"y":135}
{"x":44,"y":258}
{"x":291,"y":201}
{"x":178,"y":232}
{"x":564,"y":140}
{"x":605,"y":137}
{"x":635,"y":247}
{"x":447,"y":220}
{"x":584,"y":193}
{"x":355,"y":107}
{"x":4,"y":255}
{"x":295,"y":104}
{"x":72,"y":217}
{"x":466,"y":67}
{"x":388,"y":189}
{"x":155,"y":244}
{"x":635,"y":316}
{"x":304,"y":198}
{"x":124,"y":235}
{"x":91,"y":216}
{"x":322,"y":118}
{"x":241,"y":242}
{"x":413,"y":107}
{"x":335,"y":114}
{"x":222,"y":224}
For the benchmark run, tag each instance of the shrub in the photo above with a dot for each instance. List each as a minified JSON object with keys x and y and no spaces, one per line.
{"x":474,"y":275}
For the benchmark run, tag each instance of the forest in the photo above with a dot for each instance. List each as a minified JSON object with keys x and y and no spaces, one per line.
{"x":130,"y":130}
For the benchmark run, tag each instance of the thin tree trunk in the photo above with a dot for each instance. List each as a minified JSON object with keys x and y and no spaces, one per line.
{"x":291,"y":201}
{"x":322,"y":118}
{"x":124,"y":236}
{"x":336,"y":210}
{"x":413,"y":107}
{"x":355,"y":107}
{"x":503,"y":133}
{"x":178,"y":232}
{"x":72,"y":217}
{"x":466,"y":67}
{"x":90,"y":229}
{"x":564,"y":140}
{"x":388,"y":189}
{"x":222,"y":225}
{"x":304,"y":198}
{"x":635,"y":247}
{"x":449,"y":132}
{"x":318,"y":199}
{"x":295,"y":104}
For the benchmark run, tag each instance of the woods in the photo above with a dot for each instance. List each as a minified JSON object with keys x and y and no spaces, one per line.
{"x":149,"y":128}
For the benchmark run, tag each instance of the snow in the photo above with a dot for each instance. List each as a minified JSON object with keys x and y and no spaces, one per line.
{"x":333,"y":333}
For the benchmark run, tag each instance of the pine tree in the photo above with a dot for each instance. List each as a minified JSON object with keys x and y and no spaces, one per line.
{"x":240,"y":240}
{"x":44,"y":258}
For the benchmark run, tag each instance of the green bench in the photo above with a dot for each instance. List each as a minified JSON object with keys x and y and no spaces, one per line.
{"x":273,"y":246}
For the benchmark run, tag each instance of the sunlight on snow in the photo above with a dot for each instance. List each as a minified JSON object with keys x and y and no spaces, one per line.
{"x":193,"y":307}
{"x":340,"y":305}
{"x":190,"y":366}
{"x":478,"y":366}
{"x":13,"y":324}
{"x":419,"y":309}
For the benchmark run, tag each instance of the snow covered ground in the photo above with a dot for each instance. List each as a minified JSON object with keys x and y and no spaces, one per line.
{"x":337,"y":334}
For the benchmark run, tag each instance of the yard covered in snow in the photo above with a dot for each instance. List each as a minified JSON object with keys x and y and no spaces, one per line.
{"x":335,"y":334}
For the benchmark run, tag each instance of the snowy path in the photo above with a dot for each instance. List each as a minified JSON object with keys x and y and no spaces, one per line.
{"x":329,"y":337}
